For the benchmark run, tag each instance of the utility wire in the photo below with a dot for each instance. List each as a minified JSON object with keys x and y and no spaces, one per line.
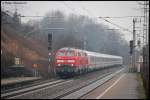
{"x":69,"y":7}
{"x":86,"y":10}
{"x":122,"y":17}
{"x":125,"y":29}
{"x":42,"y":16}
{"x":142,"y":3}
{"x":94,"y":16}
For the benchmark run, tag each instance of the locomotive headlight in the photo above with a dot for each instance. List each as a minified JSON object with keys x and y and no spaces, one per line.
{"x":71,"y":64}
{"x":60,"y":60}
{"x":72,"y":61}
{"x":58,"y":64}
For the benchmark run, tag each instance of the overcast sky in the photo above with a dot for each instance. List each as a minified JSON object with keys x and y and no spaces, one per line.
{"x":95,"y":9}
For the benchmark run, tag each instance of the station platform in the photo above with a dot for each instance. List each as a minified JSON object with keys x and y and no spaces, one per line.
{"x":123,"y":86}
{"x":126,"y":87}
{"x":15,"y":80}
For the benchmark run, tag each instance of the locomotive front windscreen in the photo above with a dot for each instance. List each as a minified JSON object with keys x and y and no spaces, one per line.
{"x":61,"y":53}
{"x":70,"y":53}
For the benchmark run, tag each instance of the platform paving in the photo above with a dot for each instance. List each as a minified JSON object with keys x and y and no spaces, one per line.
{"x":123,"y":86}
{"x":126,"y":88}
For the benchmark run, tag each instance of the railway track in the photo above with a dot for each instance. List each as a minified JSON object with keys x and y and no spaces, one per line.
{"x":76,"y":88}
{"x":17,"y":91}
{"x":69,"y":88}
{"x":79,"y":91}
{"x":17,"y":86}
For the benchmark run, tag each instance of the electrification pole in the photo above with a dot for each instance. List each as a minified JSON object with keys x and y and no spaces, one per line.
{"x":131,"y":55}
{"x":134,"y":41}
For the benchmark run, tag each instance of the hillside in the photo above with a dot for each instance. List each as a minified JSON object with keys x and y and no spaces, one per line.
{"x":14,"y":43}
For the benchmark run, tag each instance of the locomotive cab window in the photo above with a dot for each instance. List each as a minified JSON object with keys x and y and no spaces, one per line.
{"x":60,"y":53}
{"x":70,"y":53}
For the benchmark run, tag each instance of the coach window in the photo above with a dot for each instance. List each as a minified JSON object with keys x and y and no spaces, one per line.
{"x":104,"y":59}
{"x":79,"y":54}
{"x":82,"y":54}
{"x":85,"y":54}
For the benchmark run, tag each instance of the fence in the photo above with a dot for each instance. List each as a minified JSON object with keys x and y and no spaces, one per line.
{"x":145,"y":69}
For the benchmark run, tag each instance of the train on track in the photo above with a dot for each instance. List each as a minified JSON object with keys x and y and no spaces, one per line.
{"x":72,"y":61}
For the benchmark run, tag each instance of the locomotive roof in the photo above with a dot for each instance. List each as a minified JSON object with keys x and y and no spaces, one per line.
{"x":67,"y":48}
{"x":92,"y":53}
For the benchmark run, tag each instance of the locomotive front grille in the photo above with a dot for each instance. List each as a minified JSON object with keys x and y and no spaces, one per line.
{"x":65,"y":69}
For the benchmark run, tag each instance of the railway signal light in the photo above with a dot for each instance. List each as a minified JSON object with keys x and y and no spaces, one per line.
{"x":49,"y":48}
{"x":49,"y":37}
{"x":139,"y":43}
{"x":49,"y":41}
{"x":49,"y":54}
{"x":131,"y":46}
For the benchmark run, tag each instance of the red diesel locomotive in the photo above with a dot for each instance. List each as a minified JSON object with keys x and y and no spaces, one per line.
{"x":71,"y":61}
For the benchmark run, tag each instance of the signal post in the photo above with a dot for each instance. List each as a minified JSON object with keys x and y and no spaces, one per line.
{"x":50,"y":68}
